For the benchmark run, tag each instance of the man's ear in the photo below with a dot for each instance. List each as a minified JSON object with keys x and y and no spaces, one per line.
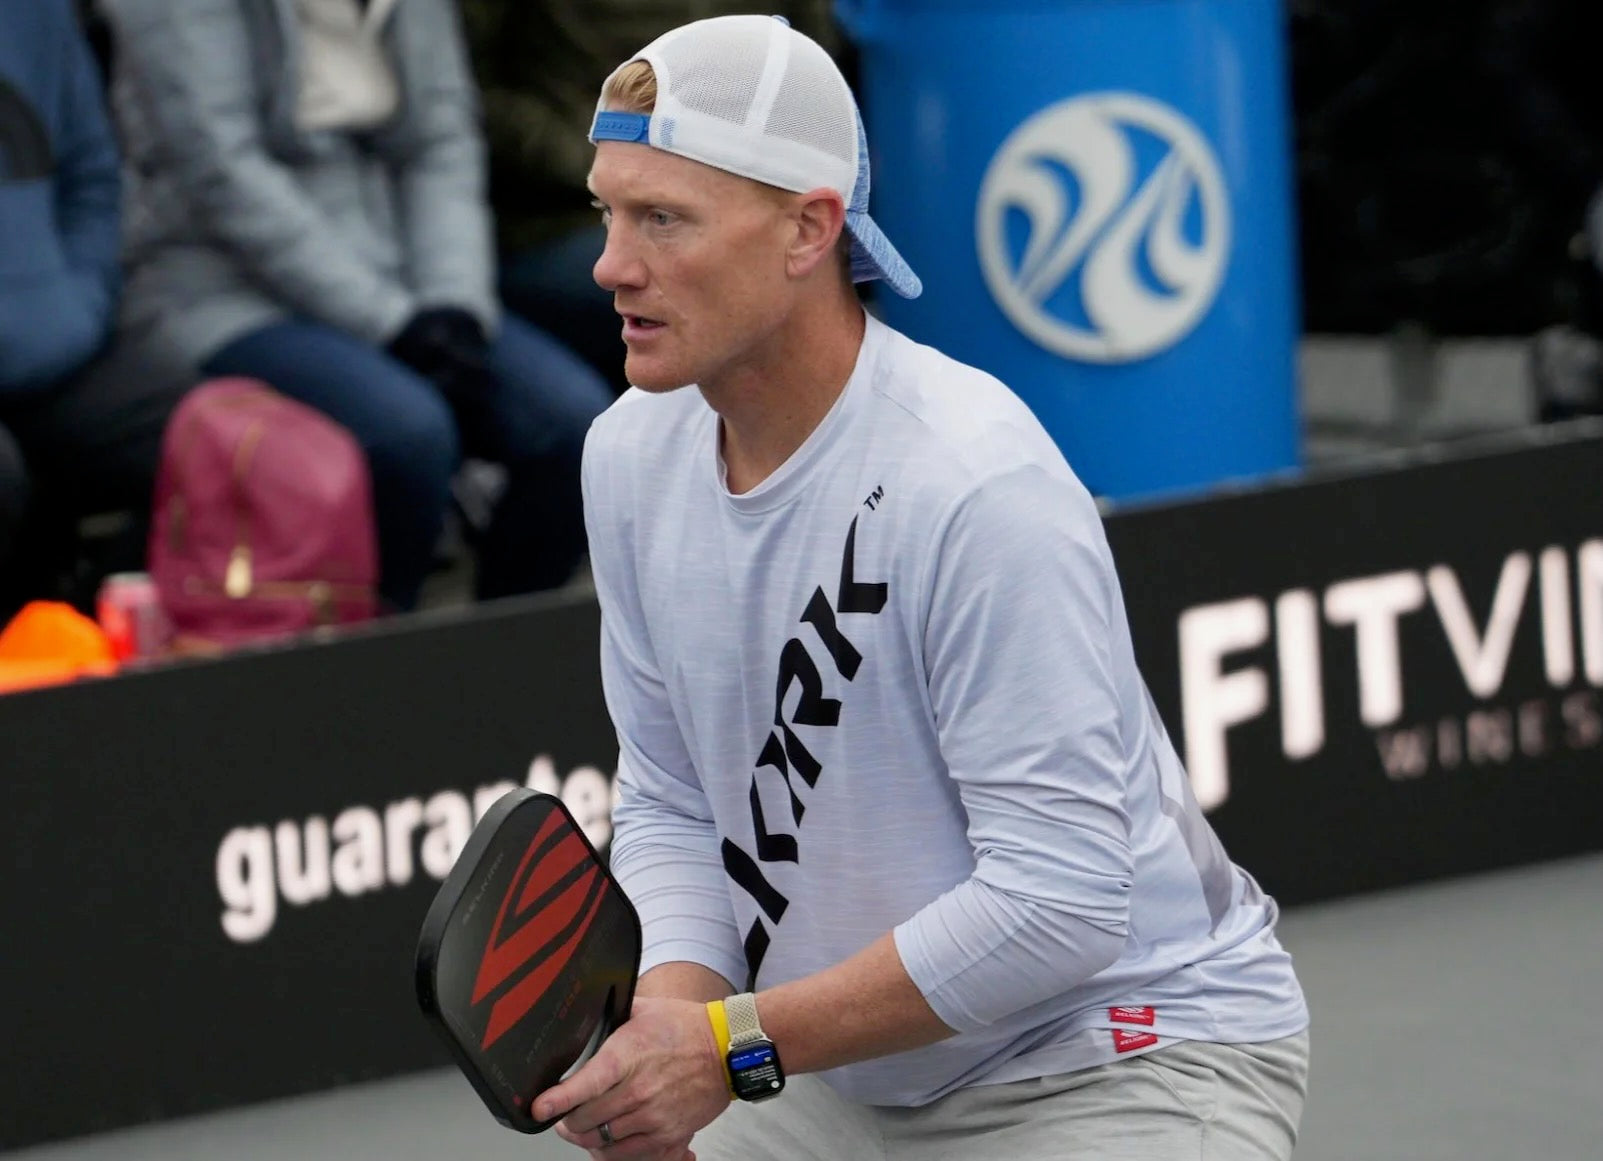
{"x":820,"y":217}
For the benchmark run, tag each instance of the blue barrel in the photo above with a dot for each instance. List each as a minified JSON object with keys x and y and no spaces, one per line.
{"x":1097,"y":196}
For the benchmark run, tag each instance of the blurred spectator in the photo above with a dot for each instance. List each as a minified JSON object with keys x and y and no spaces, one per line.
{"x":307,"y":208}
{"x":1540,"y":58}
{"x":78,"y":435}
{"x":540,"y":66}
{"x":1412,"y":206}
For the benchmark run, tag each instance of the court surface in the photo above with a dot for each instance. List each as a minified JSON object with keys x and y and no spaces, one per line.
{"x":1459,"y":1021}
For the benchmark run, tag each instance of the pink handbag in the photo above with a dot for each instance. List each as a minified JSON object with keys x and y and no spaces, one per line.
{"x":263,"y":521}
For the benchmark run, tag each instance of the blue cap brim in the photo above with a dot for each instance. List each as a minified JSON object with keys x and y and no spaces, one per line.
{"x":874,"y":258}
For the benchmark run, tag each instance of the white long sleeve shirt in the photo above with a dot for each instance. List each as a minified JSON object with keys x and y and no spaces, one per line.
{"x":892,"y":689}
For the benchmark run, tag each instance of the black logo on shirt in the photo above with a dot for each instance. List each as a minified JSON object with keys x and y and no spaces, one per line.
{"x":785,"y":753}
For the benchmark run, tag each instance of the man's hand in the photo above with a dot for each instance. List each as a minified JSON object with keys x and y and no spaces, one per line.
{"x":654,"y":1083}
{"x":448,"y":346}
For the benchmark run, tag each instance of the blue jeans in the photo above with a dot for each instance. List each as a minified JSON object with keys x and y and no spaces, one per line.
{"x":13,"y":496}
{"x":553,"y":286}
{"x":533,"y":422}
{"x":86,"y":445}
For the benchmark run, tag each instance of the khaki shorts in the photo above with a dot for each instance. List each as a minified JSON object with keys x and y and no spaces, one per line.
{"x":1192,"y":1101}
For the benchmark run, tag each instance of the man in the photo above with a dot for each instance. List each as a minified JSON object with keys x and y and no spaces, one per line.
{"x":897,"y":812}
{"x":79,"y":435}
{"x":307,"y":193}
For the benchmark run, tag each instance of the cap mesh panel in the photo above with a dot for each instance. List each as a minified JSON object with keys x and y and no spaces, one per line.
{"x":811,"y":108}
{"x":717,"y":72}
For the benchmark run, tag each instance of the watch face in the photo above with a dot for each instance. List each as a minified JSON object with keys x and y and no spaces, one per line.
{"x":756,"y":1072}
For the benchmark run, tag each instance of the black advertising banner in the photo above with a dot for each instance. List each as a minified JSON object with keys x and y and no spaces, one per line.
{"x":218,"y":873}
{"x":1387,"y":677}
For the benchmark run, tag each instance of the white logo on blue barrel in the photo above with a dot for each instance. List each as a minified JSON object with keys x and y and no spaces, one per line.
{"x":1121,"y":257}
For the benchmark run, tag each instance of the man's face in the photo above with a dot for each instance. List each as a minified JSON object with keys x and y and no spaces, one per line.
{"x":696,"y":262}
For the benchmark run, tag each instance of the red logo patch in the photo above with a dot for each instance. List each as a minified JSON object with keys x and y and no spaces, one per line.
{"x":1146,"y":1016}
{"x":1129,"y":1041}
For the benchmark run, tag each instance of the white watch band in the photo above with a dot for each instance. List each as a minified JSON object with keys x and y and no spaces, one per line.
{"x":743,"y":1026}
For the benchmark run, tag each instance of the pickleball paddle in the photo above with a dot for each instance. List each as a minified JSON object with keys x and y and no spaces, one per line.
{"x":528,"y":955}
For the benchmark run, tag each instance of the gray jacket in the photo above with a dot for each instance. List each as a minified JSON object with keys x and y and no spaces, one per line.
{"x":236,"y":219}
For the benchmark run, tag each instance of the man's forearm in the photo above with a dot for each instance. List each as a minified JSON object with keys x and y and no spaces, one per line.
{"x":683,"y":981}
{"x":864,"y":1007}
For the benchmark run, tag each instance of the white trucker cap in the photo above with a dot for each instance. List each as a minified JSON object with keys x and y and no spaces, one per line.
{"x":752,"y":96}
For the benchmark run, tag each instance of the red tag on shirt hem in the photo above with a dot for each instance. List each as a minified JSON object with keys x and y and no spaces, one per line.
{"x":1147,"y":1016}
{"x":1130,"y":1041}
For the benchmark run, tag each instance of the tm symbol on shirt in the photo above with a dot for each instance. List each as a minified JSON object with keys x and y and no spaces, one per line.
{"x":874,"y":498}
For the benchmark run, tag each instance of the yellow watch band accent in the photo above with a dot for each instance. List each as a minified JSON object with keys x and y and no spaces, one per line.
{"x":720,"y":1031}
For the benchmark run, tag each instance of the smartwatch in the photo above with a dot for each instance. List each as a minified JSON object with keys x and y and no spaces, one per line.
{"x":754,"y":1070}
